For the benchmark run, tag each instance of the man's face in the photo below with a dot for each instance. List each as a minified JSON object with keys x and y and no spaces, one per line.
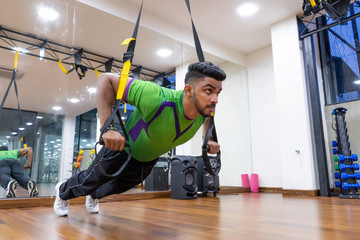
{"x":205,"y":95}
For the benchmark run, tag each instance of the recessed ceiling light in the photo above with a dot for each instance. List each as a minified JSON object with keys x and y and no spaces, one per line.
{"x":92,"y":90}
{"x":74,"y":100}
{"x":164,"y":52}
{"x":247,"y":9}
{"x":56,"y":108}
{"x":357,"y":82}
{"x":7,"y":136}
{"x":39,"y":117}
{"x":14,"y":133}
{"x":21,"y":129}
{"x":48,"y":14}
{"x":29,"y":123}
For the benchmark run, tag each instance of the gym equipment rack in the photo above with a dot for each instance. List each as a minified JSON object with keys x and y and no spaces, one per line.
{"x":345,"y":168}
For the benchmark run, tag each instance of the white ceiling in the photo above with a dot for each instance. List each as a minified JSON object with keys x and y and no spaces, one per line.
{"x":100,"y":27}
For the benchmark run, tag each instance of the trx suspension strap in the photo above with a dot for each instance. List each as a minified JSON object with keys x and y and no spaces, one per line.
{"x":212,"y":164}
{"x":127,"y":59}
{"x":13,"y":80}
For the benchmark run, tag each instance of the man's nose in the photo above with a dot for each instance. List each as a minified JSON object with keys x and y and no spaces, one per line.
{"x":214,"y":99}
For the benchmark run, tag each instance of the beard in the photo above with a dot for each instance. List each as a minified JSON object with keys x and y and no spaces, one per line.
{"x":200,"y":109}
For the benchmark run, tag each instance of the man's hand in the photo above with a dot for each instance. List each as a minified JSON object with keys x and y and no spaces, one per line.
{"x":26,"y":166}
{"x":113,"y":140}
{"x":214,"y":147}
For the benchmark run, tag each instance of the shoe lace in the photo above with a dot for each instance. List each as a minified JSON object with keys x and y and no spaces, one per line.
{"x":93,"y":202}
{"x":64,"y":203}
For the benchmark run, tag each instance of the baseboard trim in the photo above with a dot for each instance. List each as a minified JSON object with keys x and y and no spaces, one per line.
{"x":270,"y":190}
{"x":302,"y":193}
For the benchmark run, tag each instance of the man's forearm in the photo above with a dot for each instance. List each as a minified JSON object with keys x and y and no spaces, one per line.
{"x":29,"y":158}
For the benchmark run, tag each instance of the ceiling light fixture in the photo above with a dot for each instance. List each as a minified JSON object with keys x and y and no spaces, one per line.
{"x":21,"y":128}
{"x":247,"y":9}
{"x":48,"y":14}
{"x":42,"y":50}
{"x":357,"y":82}
{"x":39,"y":117}
{"x":29,"y":123}
{"x":74,"y":100}
{"x":164,"y":52}
{"x":92,"y":90}
{"x":56,"y":108}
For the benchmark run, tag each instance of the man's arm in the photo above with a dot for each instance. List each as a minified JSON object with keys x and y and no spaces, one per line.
{"x":214,"y":146}
{"x":29,"y":152}
{"x":106,"y":91}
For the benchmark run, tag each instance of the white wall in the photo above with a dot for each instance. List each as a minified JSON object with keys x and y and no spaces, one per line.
{"x":293,"y":117}
{"x":232,"y":126}
{"x":264,"y":125}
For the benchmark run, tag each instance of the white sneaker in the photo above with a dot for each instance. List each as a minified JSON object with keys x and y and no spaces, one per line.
{"x":92,"y":205}
{"x":61,"y":207}
{"x":33,"y":192}
{"x":10,"y":190}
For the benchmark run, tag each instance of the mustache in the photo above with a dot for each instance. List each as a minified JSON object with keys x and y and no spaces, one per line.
{"x":211,"y":105}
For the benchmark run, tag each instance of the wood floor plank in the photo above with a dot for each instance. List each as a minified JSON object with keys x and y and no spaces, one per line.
{"x":240,"y":216}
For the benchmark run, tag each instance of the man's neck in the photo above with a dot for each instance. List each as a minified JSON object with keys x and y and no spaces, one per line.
{"x":189,"y":108}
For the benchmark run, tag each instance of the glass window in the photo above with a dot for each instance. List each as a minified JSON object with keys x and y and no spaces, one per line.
{"x":49,"y":132}
{"x":340,"y":59}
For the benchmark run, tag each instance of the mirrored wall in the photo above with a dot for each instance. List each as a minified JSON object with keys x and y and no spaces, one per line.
{"x":43,"y":133}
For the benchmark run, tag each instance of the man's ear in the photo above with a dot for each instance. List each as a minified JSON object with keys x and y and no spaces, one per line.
{"x":188,"y":90}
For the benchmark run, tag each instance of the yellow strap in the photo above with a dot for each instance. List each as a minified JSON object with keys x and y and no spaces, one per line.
{"x":25,"y":145}
{"x":125,"y":108}
{"x":16,"y":59}
{"x":312,"y":2}
{"x":212,"y":114}
{"x":62,"y":67}
{"x":127,"y":41}
{"x":123,"y":79}
{"x":97,"y":72}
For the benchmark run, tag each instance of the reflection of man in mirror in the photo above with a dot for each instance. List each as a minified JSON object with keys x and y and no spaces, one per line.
{"x":12,"y":173}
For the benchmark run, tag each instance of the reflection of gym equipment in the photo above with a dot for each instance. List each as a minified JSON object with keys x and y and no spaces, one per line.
{"x":83,"y":160}
{"x":183,"y":177}
{"x":158,"y":179}
{"x":346,"y":168}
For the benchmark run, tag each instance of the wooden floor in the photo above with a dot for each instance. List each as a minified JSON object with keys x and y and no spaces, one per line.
{"x":239,"y":216}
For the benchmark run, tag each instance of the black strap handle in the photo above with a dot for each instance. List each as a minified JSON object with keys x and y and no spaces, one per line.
{"x":128,"y":55}
{"x":13,"y":80}
{"x":214,"y":167}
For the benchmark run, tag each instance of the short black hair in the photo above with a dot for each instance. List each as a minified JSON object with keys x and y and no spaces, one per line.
{"x":202,"y":70}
